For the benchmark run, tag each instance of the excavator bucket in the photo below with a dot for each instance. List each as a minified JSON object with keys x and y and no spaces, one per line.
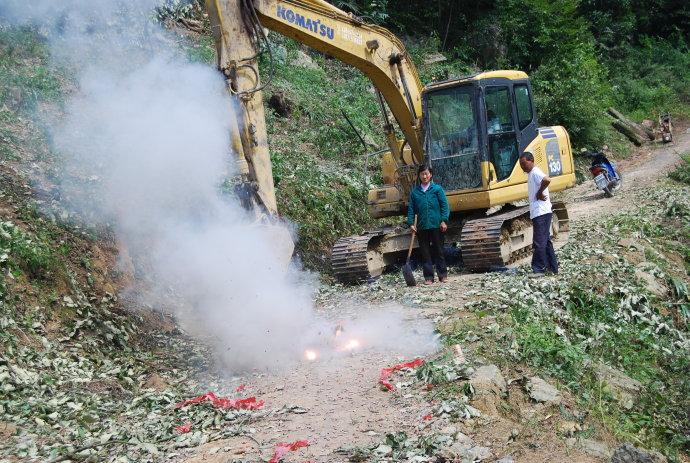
{"x":281,"y":241}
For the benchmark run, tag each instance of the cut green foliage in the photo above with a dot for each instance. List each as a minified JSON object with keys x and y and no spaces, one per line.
{"x":24,"y":74}
{"x":8,"y":145}
{"x":176,"y":10}
{"x":618,"y":304}
{"x":682,"y":172}
{"x":21,"y":251}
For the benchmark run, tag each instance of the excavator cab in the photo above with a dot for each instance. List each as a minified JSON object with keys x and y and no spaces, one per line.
{"x":473,"y":120}
{"x":475,"y":128}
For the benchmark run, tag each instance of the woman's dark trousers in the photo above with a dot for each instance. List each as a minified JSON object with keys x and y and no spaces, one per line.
{"x":431,"y":248}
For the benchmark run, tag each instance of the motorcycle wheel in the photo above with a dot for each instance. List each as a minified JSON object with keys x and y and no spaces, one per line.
{"x":608,"y":192}
{"x":619,"y":182}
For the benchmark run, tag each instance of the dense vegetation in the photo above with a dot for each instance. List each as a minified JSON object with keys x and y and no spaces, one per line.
{"x":582,"y":54}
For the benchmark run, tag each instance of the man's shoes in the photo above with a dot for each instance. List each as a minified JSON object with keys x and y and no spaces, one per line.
{"x":428,"y":282}
{"x":443,"y":279}
{"x":536,"y":275}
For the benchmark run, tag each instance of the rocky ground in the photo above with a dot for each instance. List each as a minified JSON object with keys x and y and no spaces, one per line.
{"x":481,"y":411}
{"x":527,"y":370}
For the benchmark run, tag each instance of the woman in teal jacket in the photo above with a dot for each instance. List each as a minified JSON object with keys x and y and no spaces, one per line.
{"x":428,"y":202}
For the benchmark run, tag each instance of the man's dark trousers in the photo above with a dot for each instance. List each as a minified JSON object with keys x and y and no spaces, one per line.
{"x":543,"y":256}
{"x":431,"y":248}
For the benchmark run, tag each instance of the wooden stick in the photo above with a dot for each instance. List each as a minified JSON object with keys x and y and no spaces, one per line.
{"x":409,"y":251}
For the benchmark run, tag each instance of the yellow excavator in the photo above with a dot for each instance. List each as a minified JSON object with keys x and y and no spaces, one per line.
{"x":470,"y":130}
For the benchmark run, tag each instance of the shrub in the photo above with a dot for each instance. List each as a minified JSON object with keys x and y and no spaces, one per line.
{"x":572,"y":90}
{"x":682,"y":172}
{"x":19,"y":250}
{"x":652,"y":78}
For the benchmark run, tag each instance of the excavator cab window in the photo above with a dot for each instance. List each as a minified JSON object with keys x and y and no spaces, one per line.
{"x":452,"y":137}
{"x":523,"y":103}
{"x":503,"y":149}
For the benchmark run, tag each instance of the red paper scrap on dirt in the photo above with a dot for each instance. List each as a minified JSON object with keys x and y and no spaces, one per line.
{"x":387,"y":372}
{"x":282,"y":449}
{"x":250,"y":403}
{"x":427,"y":417}
{"x":184,"y":428}
{"x":428,"y":387}
{"x":240,"y":388}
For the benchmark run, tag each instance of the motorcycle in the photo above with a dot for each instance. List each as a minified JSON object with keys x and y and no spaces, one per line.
{"x":666,"y":127}
{"x":606,"y":177}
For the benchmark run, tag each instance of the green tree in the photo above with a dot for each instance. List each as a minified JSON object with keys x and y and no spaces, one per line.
{"x":572,"y":91}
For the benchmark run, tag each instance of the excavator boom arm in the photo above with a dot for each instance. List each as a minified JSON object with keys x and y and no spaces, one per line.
{"x":373,"y":50}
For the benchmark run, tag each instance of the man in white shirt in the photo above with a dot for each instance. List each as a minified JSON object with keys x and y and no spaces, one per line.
{"x":543,"y":255}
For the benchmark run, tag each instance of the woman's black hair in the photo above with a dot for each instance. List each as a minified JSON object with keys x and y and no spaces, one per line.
{"x":424,"y":167}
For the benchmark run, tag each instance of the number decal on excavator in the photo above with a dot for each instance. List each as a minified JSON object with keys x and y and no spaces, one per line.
{"x":553,"y":158}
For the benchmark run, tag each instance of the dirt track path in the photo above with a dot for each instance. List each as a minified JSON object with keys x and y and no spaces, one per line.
{"x":340,"y":403}
{"x":338,"y":398}
{"x":639,"y":171}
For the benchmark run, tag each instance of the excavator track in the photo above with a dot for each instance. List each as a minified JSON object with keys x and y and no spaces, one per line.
{"x":491,"y":243}
{"x":351,"y":258}
{"x":483,"y":241}
{"x":487,"y":243}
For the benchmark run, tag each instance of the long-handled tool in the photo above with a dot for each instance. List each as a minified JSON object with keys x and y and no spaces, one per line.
{"x":407,"y":268}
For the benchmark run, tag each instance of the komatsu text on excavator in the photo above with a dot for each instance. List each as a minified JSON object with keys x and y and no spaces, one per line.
{"x":470,"y":130}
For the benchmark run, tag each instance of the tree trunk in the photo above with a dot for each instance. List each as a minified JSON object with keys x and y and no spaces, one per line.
{"x":649,"y":132}
{"x":629,"y":132}
{"x":642,"y":131}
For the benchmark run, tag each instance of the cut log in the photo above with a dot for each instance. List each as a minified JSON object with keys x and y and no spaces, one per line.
{"x":192,"y":24}
{"x":615,"y":113}
{"x":649,"y":131}
{"x":629,"y":132}
{"x":644,"y":132}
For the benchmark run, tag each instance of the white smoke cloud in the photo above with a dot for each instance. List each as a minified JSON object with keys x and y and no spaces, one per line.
{"x":153,"y":129}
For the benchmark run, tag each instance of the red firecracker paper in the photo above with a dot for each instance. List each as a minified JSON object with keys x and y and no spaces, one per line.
{"x":240,"y":388}
{"x":427,"y":417}
{"x":387,"y":372}
{"x":250,"y":403}
{"x":282,"y":449}
{"x":184,"y":428}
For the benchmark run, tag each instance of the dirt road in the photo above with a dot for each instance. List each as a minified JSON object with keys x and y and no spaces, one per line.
{"x":337,"y":403}
{"x":639,"y":171}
